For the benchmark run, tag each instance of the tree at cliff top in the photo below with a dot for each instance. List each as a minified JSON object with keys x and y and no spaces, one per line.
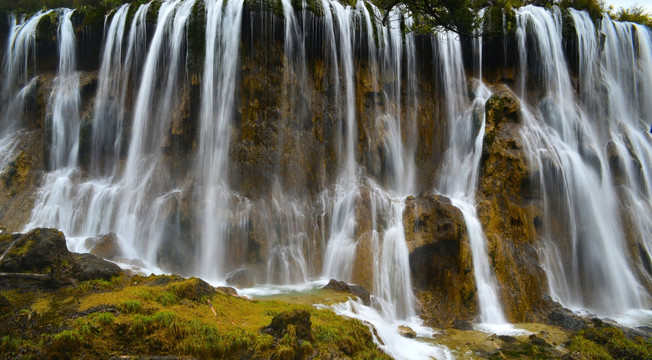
{"x":30,"y":6}
{"x":459,"y":16}
{"x":462,"y":16}
{"x":635,"y":14}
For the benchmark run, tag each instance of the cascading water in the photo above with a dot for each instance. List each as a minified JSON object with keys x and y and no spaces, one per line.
{"x":223,"y":23}
{"x":340,"y":252}
{"x":460,"y":172}
{"x":575,"y":152}
{"x":581,"y":145}
{"x":17,"y":83}
{"x":109,"y":111}
{"x":85,"y":208}
{"x":65,"y":99}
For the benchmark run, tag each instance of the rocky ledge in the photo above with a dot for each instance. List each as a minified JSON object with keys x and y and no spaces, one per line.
{"x":55,"y":304}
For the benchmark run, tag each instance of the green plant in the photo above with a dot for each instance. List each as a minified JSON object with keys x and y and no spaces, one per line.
{"x":103,"y":318}
{"x":67,"y":338}
{"x":595,"y":8}
{"x":165,"y":318}
{"x":131,"y":306}
{"x":141,"y":324}
{"x":167,"y":298}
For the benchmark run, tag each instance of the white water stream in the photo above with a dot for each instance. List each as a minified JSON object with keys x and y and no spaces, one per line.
{"x":570,"y":139}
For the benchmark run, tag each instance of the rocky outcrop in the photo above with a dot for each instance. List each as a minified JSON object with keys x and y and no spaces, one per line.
{"x":356,"y":290}
{"x":241,"y":279}
{"x":44,"y":252}
{"x":508,"y":205}
{"x":407,"y":332}
{"x":105,"y":246}
{"x":440,"y":258}
{"x":19,"y":180}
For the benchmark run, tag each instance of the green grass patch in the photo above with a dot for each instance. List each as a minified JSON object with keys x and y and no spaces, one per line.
{"x":169,"y":316}
{"x":131,"y":306}
{"x":167,"y":298}
{"x":608,"y":342}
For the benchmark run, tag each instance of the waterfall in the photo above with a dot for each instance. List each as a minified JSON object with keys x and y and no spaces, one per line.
{"x":65,"y":99}
{"x":141,"y":195}
{"x":340,"y":251}
{"x":109,"y":109}
{"x":586,"y":139}
{"x":566,"y":139}
{"x":461,"y":167}
{"x":17,"y":83}
{"x":223,"y":24}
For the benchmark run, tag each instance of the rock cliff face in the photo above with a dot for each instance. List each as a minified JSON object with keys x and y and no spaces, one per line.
{"x":509,"y":216}
{"x":440,"y":258}
{"x":286,"y":152}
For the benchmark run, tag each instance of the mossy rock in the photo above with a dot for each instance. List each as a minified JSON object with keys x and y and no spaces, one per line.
{"x":191,"y":289}
{"x":44,"y":251}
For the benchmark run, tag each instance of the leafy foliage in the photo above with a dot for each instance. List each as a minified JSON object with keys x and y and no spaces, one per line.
{"x":459,"y":16}
{"x":31,"y":6}
{"x":636,"y":14}
{"x":595,"y":8}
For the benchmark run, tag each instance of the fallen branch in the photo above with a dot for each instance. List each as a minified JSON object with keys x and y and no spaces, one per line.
{"x":212,"y":308}
{"x":11,"y":246}
{"x":25,"y":276}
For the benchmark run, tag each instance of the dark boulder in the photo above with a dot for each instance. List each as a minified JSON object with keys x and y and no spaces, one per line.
{"x":105,"y":246}
{"x":35,"y":251}
{"x":407,"y":332}
{"x":565,"y":318}
{"x":89,"y":267}
{"x":241,"y":279}
{"x":44,"y":252}
{"x":356,"y":290}
{"x":462,"y":325}
{"x":507,"y":339}
{"x":535,"y":340}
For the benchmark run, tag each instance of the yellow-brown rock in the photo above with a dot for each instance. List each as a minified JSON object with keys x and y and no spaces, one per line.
{"x":507,"y":206}
{"x":440,"y":259}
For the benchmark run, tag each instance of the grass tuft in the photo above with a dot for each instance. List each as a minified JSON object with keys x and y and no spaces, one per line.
{"x":167,"y":298}
{"x":131,"y":306}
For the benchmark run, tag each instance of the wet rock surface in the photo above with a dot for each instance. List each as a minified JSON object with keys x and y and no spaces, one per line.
{"x":508,"y":203}
{"x":566,"y":319}
{"x":440,"y":258}
{"x":241,"y":279}
{"x":407,"y":332}
{"x":356,"y":290}
{"x":462,"y":325}
{"x":104,"y":246}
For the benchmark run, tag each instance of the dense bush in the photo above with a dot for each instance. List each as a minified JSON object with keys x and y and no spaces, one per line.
{"x":635,"y":14}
